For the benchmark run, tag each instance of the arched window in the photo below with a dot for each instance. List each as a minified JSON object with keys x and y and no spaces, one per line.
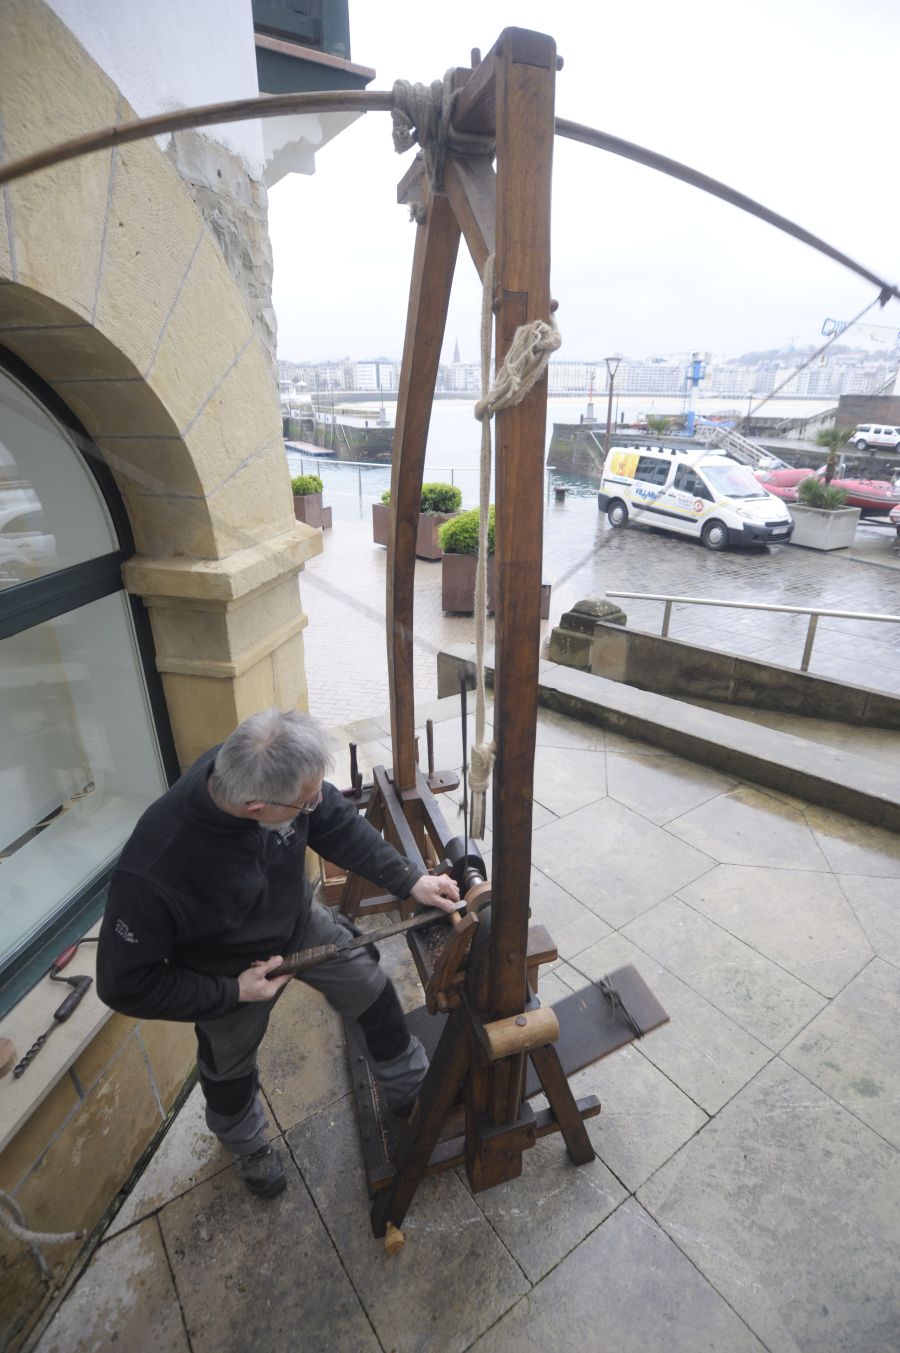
{"x":84,"y":741}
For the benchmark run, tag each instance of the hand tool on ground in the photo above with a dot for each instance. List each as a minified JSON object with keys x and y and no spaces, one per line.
{"x":323,"y":953}
{"x":62,"y":1012}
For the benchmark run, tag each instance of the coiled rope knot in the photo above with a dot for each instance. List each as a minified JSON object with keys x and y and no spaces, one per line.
{"x":524,"y":364}
{"x":481,"y":764}
{"x":422,"y":114}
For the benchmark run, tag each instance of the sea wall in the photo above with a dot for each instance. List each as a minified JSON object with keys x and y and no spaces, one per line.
{"x":373,"y":444}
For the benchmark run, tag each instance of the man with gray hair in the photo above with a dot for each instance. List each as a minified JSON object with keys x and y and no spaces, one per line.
{"x":210,"y":891}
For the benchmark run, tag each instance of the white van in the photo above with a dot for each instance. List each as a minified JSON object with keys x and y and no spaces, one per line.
{"x":694,"y":492}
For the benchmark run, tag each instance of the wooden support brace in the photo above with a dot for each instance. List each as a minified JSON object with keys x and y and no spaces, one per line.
{"x":437,"y":245}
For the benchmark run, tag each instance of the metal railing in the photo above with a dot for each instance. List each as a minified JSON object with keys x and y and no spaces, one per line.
{"x":371,"y":477}
{"x":814,"y":613}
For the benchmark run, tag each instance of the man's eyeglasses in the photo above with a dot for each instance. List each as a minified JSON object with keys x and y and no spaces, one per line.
{"x":306,"y":808}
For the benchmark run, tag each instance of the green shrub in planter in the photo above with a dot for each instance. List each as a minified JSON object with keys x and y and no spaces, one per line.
{"x":437,"y":499}
{"x":460,"y":534}
{"x":303,"y":484}
{"x":440,"y":498}
{"x":814,"y":492}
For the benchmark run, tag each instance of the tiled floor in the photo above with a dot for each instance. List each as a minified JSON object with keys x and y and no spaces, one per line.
{"x":746,"y":1190}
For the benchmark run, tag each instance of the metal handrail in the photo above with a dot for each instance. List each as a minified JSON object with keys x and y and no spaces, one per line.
{"x":814,"y":612}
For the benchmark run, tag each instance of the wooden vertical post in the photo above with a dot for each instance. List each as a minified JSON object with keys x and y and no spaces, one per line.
{"x":524,"y":102}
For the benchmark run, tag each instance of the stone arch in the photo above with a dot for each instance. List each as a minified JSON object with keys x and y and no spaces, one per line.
{"x":114,"y":291}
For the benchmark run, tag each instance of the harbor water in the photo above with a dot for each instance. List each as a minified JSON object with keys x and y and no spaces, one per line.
{"x":454,"y":445}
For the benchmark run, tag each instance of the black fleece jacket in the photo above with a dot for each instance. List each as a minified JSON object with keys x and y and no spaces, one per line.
{"x":197,"y":895}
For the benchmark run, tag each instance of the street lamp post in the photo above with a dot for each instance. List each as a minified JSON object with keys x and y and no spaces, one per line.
{"x":612,"y":366}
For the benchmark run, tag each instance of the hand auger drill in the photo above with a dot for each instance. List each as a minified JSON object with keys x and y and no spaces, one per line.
{"x":62,"y":1012}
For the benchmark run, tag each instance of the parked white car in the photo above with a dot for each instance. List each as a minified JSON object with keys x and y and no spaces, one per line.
{"x":26,"y":547}
{"x":875,"y":434}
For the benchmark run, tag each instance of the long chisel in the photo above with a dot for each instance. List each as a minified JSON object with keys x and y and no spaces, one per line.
{"x":323,"y":953}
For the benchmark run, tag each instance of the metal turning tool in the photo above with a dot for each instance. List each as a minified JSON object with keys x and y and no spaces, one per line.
{"x":80,"y":986}
{"x":323,"y":953}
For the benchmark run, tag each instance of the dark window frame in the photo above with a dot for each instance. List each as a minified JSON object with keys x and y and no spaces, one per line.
{"x":660,"y":471}
{"x":32,"y":603}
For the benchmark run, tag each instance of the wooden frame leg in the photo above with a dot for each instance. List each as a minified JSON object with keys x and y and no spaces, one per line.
{"x":445,"y":1076}
{"x":558,"y":1091}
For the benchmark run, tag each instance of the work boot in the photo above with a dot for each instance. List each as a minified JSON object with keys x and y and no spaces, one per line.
{"x":263,"y":1172}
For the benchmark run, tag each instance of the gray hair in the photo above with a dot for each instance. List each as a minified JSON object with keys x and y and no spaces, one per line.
{"x":271,"y":755}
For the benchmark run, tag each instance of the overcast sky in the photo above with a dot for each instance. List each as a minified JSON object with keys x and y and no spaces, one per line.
{"x":793,"y":102}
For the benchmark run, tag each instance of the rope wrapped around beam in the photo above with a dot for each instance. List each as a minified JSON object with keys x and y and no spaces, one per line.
{"x":422,"y":114}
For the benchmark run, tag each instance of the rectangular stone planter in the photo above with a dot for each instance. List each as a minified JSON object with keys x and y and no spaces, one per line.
{"x":427,"y":543}
{"x":458,"y":585}
{"x":820,"y":530}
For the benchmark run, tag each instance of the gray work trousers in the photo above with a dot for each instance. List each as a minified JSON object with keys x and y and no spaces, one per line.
{"x":228,"y":1046}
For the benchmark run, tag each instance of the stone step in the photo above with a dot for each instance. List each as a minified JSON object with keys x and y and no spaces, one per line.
{"x":835,"y":777}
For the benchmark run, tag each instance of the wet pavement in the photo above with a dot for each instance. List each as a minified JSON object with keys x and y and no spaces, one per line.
{"x":343,"y":593}
{"x":746,"y":1190}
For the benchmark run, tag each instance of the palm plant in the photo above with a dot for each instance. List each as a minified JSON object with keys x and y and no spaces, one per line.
{"x":658,"y":423}
{"x":832,"y":439}
{"x":812,"y":492}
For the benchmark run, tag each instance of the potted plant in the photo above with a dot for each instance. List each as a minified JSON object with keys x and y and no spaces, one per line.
{"x":307,"y":491}
{"x":438,"y":503}
{"x":459,"y":542}
{"x":821,"y":520}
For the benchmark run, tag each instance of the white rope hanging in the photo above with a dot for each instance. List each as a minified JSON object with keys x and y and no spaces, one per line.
{"x":524,"y":364}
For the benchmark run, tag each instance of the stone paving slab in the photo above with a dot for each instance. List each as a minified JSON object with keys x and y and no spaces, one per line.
{"x":661,"y":786}
{"x":746,"y":827}
{"x":817,"y":938}
{"x":645,"y":1117}
{"x":572,"y":926}
{"x":253,"y":1271}
{"x":762,"y":998}
{"x":614,"y":861}
{"x":627,"y":1287}
{"x":125,"y":1300}
{"x":452,"y":1280}
{"x":876,"y":903}
{"x":852,"y":1049}
{"x":854,"y":847}
{"x":187,"y":1155}
{"x":551,"y":1208}
{"x":567,"y":778}
{"x":788,"y":1206}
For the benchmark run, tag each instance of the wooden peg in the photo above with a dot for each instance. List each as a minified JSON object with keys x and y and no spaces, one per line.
{"x":520,"y":1033}
{"x":394,"y":1239}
